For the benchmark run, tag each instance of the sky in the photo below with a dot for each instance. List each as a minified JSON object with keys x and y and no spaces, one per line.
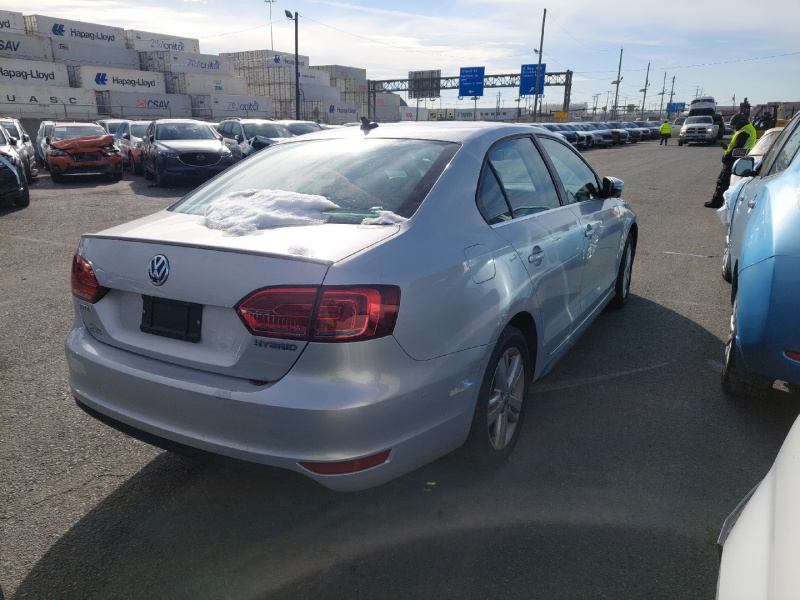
{"x":727,"y":50}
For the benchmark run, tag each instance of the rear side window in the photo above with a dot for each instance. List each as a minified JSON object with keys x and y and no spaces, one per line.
{"x":576,"y":176}
{"x":517,"y":171}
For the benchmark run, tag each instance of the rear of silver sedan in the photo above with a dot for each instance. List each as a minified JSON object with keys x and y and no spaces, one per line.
{"x":333,"y":411}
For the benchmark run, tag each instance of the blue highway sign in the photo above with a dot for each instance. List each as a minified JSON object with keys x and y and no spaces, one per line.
{"x":527,"y":80}
{"x":470,"y":81}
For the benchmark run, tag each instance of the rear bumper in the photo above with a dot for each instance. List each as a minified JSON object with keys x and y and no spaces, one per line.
{"x":328,"y":408}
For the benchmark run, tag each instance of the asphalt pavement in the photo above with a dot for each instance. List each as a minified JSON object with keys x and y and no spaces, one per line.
{"x":630,"y":459}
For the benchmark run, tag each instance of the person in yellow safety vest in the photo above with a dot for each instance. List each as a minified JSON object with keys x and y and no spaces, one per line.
{"x":745,"y":137}
{"x":666,"y":133}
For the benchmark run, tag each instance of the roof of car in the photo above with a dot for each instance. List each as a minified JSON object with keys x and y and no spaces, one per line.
{"x":446,"y":131}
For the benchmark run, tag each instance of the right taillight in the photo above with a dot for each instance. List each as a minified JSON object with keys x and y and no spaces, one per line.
{"x":83,"y":282}
{"x":326,"y":314}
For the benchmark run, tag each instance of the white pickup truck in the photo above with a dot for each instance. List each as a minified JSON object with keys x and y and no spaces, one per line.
{"x":701,"y":129}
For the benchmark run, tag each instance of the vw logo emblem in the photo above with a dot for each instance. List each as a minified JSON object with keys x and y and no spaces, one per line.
{"x":158,"y":271}
{"x":201,"y":157}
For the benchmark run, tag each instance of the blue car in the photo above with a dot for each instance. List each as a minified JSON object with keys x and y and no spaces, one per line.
{"x":763,"y":262}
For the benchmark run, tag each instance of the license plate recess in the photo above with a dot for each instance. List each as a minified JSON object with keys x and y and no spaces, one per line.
{"x":172,"y":318}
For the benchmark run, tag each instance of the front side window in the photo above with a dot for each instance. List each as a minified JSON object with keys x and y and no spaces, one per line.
{"x":578,"y":179}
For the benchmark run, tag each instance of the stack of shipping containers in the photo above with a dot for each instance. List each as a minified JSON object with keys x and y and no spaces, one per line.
{"x":52,"y":68}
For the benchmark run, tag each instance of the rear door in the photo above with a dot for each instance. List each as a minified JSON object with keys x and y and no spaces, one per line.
{"x":518,"y":198}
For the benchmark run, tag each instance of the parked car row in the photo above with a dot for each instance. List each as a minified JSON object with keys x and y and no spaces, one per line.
{"x":586,"y":135}
{"x":13,"y":180}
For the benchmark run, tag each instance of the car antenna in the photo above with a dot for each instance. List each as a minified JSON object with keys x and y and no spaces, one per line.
{"x":366,"y":126}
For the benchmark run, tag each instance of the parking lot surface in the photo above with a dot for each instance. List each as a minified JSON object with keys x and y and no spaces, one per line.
{"x":630,"y":460}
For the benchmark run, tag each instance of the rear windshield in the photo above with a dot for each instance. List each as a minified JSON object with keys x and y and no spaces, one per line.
{"x":76,"y":131}
{"x":363,"y":177}
{"x":302,"y":128}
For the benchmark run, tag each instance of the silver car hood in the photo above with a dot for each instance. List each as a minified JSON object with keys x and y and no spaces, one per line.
{"x":327,"y":243}
{"x":759,"y":560}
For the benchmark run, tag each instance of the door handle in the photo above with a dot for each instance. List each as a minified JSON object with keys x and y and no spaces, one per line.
{"x":536,"y":257}
{"x":589,"y":231}
{"x":751,"y":203}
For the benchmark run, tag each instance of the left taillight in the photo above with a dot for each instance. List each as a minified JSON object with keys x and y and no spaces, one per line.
{"x":84,"y":284}
{"x":326,"y":314}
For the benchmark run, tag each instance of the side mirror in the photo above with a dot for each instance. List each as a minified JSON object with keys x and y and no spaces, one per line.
{"x":744,"y":167}
{"x":127,"y":136}
{"x":14,"y":141}
{"x":239,"y":138}
{"x":47,"y":140}
{"x":612,"y":187}
{"x":26,"y":138}
{"x":151,"y":138}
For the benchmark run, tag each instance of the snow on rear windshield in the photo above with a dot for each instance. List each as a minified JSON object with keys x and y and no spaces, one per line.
{"x":376,"y":179}
{"x":249,"y":211}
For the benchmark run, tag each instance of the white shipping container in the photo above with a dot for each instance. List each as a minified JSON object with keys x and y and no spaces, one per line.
{"x":120,"y":80}
{"x":186,"y":62}
{"x":310,"y":92}
{"x":80,"y":53}
{"x":28,"y":47}
{"x":266,"y":58}
{"x":200,"y":84}
{"x":75,"y":31}
{"x":147,"y":41}
{"x":11,"y":22}
{"x":413,"y":113}
{"x":138,"y":105}
{"x":342,"y":72}
{"x":219,"y":106}
{"x":31,"y":72}
{"x":340,"y":113}
{"x":387,"y":99}
{"x":45,"y":101}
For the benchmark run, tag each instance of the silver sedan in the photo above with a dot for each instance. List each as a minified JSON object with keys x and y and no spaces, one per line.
{"x":352,"y":304}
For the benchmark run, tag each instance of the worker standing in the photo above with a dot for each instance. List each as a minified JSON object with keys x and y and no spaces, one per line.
{"x":745,"y":137}
{"x":666,"y":133}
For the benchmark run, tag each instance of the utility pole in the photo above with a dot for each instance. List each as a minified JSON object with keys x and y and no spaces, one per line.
{"x":594,"y":110}
{"x":270,"y":2}
{"x":619,"y":79}
{"x":646,"y":84}
{"x":671,"y":93}
{"x":663,"y":91}
{"x":539,"y":68}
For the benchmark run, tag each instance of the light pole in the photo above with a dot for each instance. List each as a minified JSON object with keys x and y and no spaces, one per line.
{"x":644,"y":89}
{"x":539,"y":68}
{"x":271,"y":42}
{"x":296,"y":20}
{"x":617,"y":81}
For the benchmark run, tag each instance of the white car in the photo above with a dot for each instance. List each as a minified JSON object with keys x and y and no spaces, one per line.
{"x":760,"y":540}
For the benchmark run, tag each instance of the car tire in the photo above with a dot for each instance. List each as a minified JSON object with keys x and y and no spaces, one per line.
{"x":590,"y":144}
{"x":733,"y":382}
{"x":136,"y":168}
{"x":680,"y":143}
{"x":116,"y":176}
{"x":56,"y":177}
{"x":500,"y":408}
{"x":24,"y":199}
{"x":147,"y":174}
{"x":622,"y":286}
